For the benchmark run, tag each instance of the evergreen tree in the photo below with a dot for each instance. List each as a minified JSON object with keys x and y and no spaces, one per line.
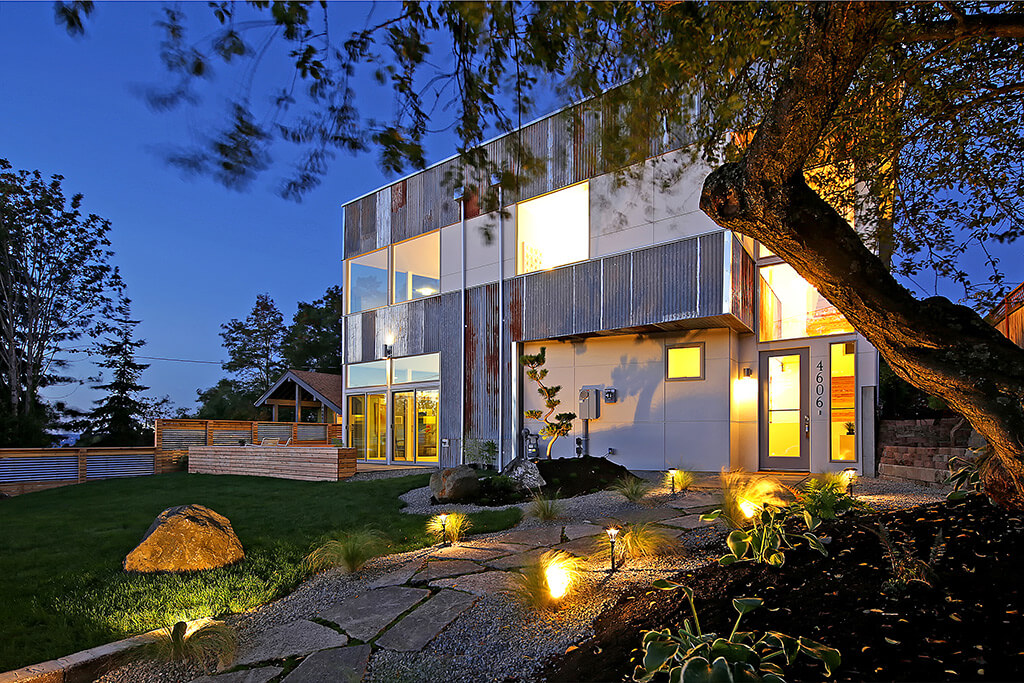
{"x":118,"y":418}
{"x":313,"y":342}
{"x":254,"y":345}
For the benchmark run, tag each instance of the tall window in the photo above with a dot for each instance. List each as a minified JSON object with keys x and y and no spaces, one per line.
{"x":417,"y":267}
{"x":844,"y":400}
{"x":553,"y":230}
{"x":791,"y":308}
{"x":367,"y":281}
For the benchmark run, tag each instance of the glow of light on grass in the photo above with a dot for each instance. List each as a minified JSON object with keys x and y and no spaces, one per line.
{"x":747,"y":508}
{"x":558,"y":577}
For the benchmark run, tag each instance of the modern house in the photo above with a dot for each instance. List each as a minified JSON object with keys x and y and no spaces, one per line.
{"x":684,"y":345}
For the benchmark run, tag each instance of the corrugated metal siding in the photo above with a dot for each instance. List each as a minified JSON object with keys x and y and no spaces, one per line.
{"x":451,"y":378}
{"x":47,"y":468}
{"x":227,"y":437}
{"x":311,"y":432}
{"x":181,"y":439}
{"x":711,"y":253}
{"x":269,"y":430}
{"x":368,"y":344}
{"x":646,"y":287}
{"x":353,"y":338}
{"x":587,"y":296}
{"x":382,"y":215}
{"x":482,"y":339}
{"x":743,"y":273}
{"x":679,"y":266}
{"x":549,"y":302}
{"x":120,"y":465}
{"x":616,"y":291}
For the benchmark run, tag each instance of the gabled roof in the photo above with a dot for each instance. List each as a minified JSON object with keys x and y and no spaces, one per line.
{"x":327,"y":388}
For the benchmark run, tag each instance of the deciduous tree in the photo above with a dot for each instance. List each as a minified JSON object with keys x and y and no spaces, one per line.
{"x":313,"y":341}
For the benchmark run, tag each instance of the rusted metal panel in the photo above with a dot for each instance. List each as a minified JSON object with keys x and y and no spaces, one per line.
{"x":710,"y":280}
{"x":399,"y":211}
{"x":451,"y":369}
{"x":413,"y":206}
{"x":534,"y":167}
{"x":368,"y":223}
{"x":433,"y":333}
{"x":616,"y":290}
{"x":586,"y":307}
{"x":368,"y":341}
{"x":351,"y":229}
{"x":742,"y":276}
{"x":353,"y":338}
{"x":413,"y":325}
{"x":383,"y":218}
{"x":515,"y":290}
{"x":679,"y":279}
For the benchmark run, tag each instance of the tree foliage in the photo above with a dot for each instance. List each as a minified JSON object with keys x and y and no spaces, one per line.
{"x":254,"y":345}
{"x":313,"y":341}
{"x":55,"y":287}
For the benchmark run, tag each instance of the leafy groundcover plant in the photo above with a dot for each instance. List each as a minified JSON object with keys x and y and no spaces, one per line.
{"x":692,"y":656}
{"x":767,"y":541}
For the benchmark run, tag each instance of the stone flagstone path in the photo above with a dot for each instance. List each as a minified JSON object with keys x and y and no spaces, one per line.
{"x":404,"y":610}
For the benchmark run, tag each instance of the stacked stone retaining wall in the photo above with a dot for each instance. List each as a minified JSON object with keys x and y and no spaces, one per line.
{"x":928,"y":465}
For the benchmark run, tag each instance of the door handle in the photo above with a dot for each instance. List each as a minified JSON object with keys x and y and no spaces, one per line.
{"x":807,"y":427}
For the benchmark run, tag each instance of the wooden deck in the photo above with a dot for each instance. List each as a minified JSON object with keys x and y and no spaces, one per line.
{"x":383,"y":467}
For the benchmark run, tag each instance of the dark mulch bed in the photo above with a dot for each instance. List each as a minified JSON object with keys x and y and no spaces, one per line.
{"x":967,"y":626}
{"x":571,"y":477}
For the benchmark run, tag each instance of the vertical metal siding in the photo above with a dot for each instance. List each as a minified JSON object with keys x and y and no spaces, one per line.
{"x":368,"y":223}
{"x":353,"y":338}
{"x":616,"y":288}
{"x":711,"y":248}
{"x":586,"y":307}
{"x":382,"y":217}
{"x":351,"y":229}
{"x":399,"y":210}
{"x":369,"y":331}
{"x":451,"y":377}
{"x":646,"y":287}
{"x":679,"y":279}
{"x":433,"y":334}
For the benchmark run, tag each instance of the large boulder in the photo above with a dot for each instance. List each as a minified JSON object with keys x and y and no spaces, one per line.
{"x":186,"y":538}
{"x":455,"y":485}
{"x":525,"y":472}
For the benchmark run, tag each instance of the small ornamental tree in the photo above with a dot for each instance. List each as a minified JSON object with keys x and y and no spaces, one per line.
{"x":555,"y":424}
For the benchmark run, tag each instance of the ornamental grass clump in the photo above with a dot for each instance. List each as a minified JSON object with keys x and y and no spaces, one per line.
{"x":546,"y":582}
{"x":545,"y":508}
{"x":349,"y":550}
{"x":639,"y":541}
{"x":745,"y":496}
{"x":633,"y":488}
{"x":679,"y":480}
{"x":449,"y":527}
{"x":214,"y":640}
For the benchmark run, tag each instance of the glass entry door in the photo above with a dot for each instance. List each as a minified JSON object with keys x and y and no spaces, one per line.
{"x":367,"y":426}
{"x":415,"y":426}
{"x":784,"y":415}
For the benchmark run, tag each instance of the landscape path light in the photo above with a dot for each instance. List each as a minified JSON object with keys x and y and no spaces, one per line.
{"x":612,"y":533}
{"x":443,"y":517}
{"x":672,"y":479}
{"x":850,"y":475}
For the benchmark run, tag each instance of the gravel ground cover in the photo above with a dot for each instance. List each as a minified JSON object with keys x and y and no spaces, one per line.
{"x":498,"y":639}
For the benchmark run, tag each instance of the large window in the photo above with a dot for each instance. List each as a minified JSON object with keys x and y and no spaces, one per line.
{"x":367,"y":281}
{"x":844,"y":400}
{"x":425,"y":368}
{"x":417,"y":267}
{"x":791,"y":308}
{"x":553,"y":230}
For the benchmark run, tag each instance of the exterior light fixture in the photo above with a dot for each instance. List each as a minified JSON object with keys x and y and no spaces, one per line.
{"x":672,"y":479}
{"x":850,"y":475}
{"x":387,"y":350}
{"x":389,"y":344}
{"x":443,"y":518}
{"x":612,"y":533}
{"x":747,"y":372}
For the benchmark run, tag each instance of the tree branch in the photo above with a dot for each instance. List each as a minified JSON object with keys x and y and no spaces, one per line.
{"x":973,"y":26}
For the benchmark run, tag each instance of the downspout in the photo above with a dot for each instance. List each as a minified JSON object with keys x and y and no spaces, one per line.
{"x":460,"y":197}
{"x":496,"y":180}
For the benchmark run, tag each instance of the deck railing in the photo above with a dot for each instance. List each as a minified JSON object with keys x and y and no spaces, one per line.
{"x":173,"y":437}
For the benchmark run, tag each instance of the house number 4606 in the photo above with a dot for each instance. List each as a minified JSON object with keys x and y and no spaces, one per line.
{"x":819,"y":386}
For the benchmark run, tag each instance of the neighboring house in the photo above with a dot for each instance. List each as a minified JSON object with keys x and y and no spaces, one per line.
{"x":301,"y":396}
{"x":1008,"y":316}
{"x":702,"y":348}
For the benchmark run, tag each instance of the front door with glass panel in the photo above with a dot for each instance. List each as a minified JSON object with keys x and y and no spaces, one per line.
{"x":414,"y":429}
{"x":367,"y":426}
{"x":784,"y":414}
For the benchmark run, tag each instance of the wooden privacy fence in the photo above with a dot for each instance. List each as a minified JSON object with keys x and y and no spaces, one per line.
{"x":23,"y":470}
{"x":174,"y":437}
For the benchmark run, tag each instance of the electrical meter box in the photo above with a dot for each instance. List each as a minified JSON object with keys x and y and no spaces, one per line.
{"x":590,"y":400}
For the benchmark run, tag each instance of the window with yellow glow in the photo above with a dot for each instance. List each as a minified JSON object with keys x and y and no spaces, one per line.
{"x":553,"y":230}
{"x":367,"y":281}
{"x":844,"y":401}
{"x":417,"y":267}
{"x":784,"y":406}
{"x":685,"y":362}
{"x":791,"y":308}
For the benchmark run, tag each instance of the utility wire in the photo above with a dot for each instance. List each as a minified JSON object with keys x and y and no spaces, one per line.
{"x":181,"y":360}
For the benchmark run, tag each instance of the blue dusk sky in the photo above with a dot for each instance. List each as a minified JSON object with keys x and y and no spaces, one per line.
{"x":193,"y":253}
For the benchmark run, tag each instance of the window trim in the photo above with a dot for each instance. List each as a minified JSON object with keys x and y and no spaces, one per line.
{"x":391,"y":267}
{"x":436,"y":380}
{"x":687,"y":345}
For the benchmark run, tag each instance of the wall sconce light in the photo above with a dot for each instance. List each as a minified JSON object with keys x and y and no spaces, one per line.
{"x":387,"y":350}
{"x":747,"y":372}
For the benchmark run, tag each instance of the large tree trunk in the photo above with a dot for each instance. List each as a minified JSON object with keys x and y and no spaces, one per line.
{"x":944,"y":349}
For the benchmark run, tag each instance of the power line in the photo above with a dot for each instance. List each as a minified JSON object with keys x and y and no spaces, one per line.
{"x":181,"y":360}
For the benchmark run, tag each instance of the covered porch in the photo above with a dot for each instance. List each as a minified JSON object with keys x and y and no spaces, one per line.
{"x":303,"y":396}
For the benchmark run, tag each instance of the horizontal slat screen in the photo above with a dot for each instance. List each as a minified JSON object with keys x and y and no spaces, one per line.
{"x":270,"y":430}
{"x":120,"y":465}
{"x":311,"y":433}
{"x":46,"y":468}
{"x":180,"y":439}
{"x":229,"y":437}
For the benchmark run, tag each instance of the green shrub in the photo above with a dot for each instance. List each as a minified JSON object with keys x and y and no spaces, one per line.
{"x":633,"y":488}
{"x":824,"y":497}
{"x":767,"y":541}
{"x":689,"y":654}
{"x":214,"y":640}
{"x":545,"y":508}
{"x":349,"y":550}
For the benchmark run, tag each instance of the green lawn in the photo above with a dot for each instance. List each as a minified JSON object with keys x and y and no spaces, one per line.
{"x":61,"y":581}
